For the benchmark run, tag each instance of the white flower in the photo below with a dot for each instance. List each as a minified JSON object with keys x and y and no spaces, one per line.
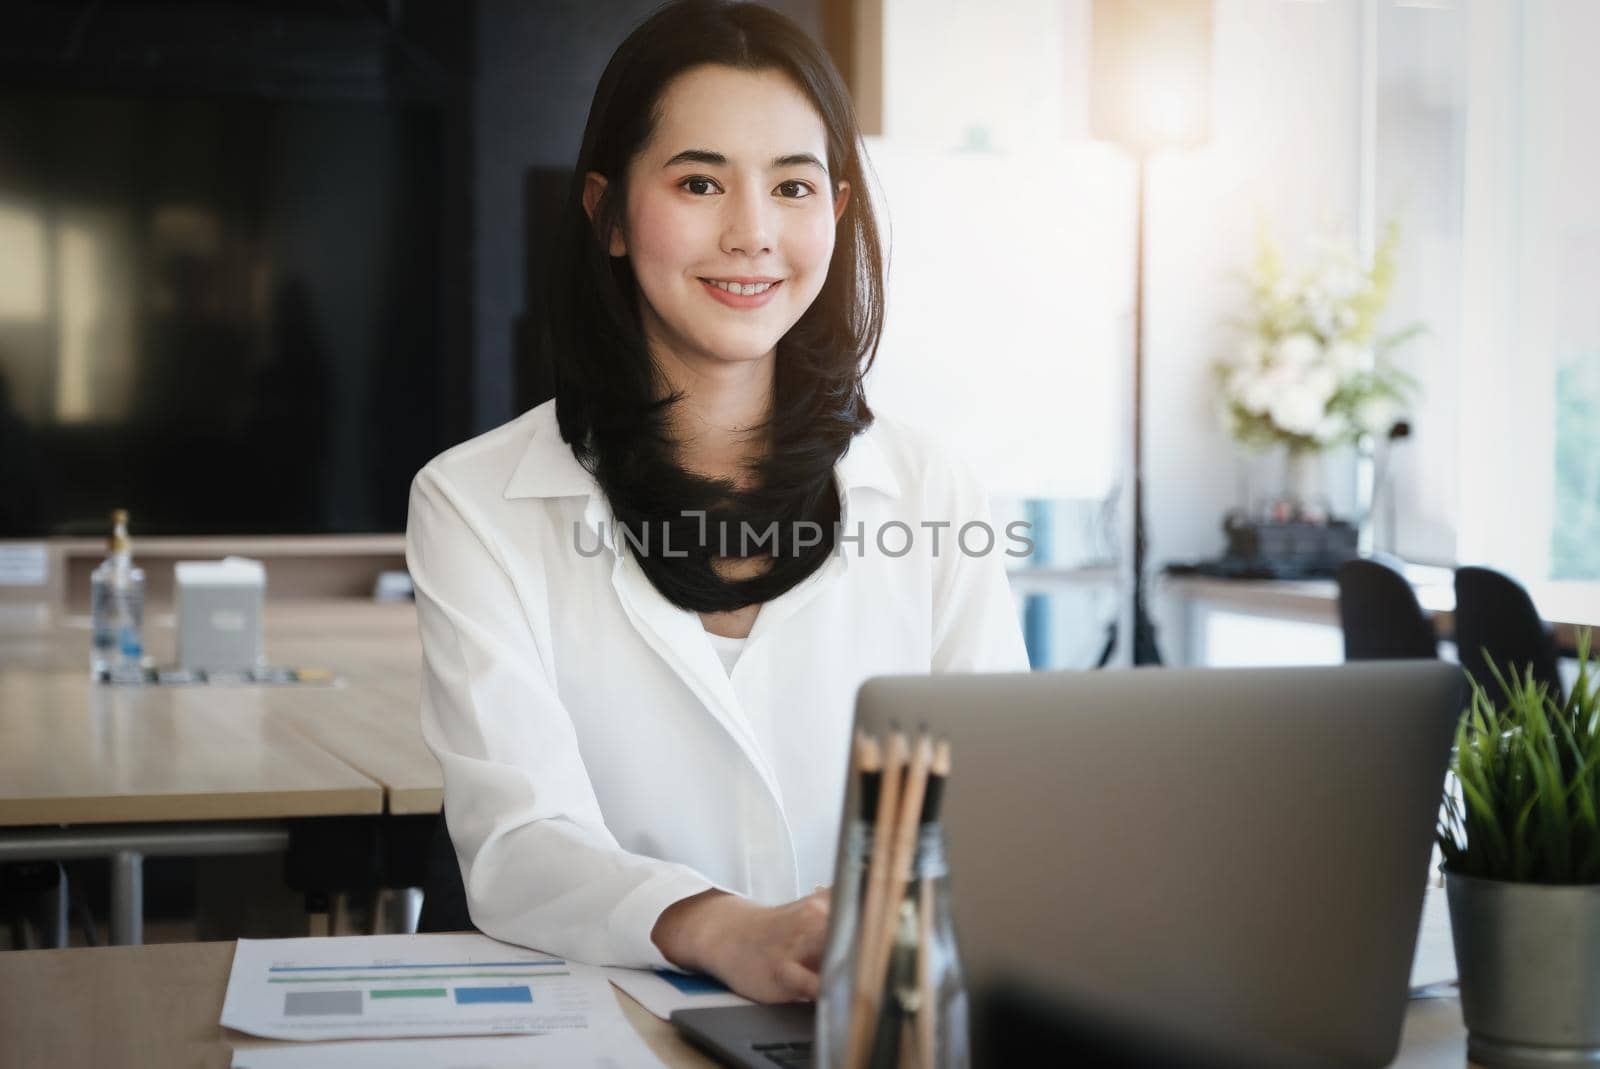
{"x":1305,"y":352}
{"x":1299,"y":398}
{"x":1322,"y":382}
{"x":1255,"y":390}
{"x":1299,"y":408}
{"x":1299,"y":350}
{"x":1297,"y":412}
{"x":1347,"y":359}
{"x":1324,"y":316}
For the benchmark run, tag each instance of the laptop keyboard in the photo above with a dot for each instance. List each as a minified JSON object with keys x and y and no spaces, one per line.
{"x":795,"y":1055}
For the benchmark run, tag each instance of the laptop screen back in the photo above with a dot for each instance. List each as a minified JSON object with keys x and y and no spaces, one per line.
{"x":1231,"y":859}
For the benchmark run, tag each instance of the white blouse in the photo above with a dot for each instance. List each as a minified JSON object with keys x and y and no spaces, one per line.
{"x":600,"y":760}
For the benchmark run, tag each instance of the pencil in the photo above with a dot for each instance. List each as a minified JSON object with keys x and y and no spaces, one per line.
{"x":863,"y":1007}
{"x":880,"y":940}
{"x":868,"y":765}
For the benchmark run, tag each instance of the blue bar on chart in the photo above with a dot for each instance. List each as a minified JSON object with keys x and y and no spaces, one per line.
{"x":692,"y":983}
{"x":466,"y":996}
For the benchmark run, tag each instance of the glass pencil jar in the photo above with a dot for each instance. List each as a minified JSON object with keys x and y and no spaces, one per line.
{"x":922,"y":1015}
{"x":836,"y":989}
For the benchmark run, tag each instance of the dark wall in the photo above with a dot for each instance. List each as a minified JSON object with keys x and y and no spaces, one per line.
{"x":511,"y":82}
{"x":303,"y":361}
{"x":537,"y":67}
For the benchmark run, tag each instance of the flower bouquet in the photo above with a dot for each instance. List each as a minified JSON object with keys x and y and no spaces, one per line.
{"x":1313,"y":373}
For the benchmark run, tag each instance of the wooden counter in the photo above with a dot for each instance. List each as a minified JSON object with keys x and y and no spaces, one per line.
{"x":157,"y":1007}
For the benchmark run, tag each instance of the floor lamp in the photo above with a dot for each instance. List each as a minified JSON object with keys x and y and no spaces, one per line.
{"x":1150,"y":89}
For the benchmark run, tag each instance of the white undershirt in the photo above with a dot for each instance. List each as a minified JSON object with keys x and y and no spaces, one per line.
{"x":727,"y":648}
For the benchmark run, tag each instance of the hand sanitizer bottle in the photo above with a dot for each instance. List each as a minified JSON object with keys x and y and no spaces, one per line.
{"x":116,"y":596}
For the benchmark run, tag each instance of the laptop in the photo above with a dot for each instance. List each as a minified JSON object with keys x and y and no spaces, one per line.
{"x":1171,"y":866}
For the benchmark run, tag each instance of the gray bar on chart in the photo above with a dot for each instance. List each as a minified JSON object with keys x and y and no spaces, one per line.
{"x":320,"y":1003}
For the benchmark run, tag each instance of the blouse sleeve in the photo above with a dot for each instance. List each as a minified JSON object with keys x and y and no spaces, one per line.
{"x":539,"y":866}
{"x":975,"y":622}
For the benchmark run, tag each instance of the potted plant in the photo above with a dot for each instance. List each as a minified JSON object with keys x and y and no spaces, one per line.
{"x":1313,"y":372}
{"x":1520,"y":835}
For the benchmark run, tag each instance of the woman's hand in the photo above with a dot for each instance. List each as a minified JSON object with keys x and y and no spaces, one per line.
{"x":765,"y":953}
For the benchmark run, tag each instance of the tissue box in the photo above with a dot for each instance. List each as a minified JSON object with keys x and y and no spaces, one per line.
{"x":219,"y":614}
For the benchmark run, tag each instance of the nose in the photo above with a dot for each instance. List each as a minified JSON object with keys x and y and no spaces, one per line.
{"x":747,"y":227}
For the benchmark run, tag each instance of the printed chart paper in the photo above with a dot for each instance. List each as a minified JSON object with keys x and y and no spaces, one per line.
{"x":618,"y":1048}
{"x":661,"y":992}
{"x":379,"y":986}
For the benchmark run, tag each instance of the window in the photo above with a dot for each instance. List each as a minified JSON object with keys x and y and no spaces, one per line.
{"x":1485,"y":153}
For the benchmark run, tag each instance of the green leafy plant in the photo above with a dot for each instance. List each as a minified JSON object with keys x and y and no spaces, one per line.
{"x":1527,"y":770}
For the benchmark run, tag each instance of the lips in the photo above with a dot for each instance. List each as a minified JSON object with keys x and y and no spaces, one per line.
{"x":740,"y":300}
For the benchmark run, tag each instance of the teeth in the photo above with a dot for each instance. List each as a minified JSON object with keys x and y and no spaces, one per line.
{"x":747,"y":290}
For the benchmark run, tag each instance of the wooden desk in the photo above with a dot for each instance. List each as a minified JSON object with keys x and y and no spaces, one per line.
{"x":158,"y":1007}
{"x":377,"y":730}
{"x":369,"y":724}
{"x":1567,"y":606}
{"x":376,"y":727}
{"x":93,"y":770}
{"x":77,"y":752}
{"x":141,"y":770}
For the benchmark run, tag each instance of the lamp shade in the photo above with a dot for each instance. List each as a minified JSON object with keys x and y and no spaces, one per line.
{"x":1150,"y":73}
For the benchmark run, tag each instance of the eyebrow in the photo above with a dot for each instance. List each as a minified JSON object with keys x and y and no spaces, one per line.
{"x":717,"y":159}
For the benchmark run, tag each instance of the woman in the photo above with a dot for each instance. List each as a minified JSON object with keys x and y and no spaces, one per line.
{"x":646,"y":605}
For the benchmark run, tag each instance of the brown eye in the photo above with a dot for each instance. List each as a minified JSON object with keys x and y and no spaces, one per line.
{"x":698,"y":185}
{"x":803,"y":190}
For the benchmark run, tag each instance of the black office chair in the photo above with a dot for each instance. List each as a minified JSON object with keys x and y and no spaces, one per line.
{"x":444,"y":896}
{"x":1496,"y":618}
{"x":1380,"y":615}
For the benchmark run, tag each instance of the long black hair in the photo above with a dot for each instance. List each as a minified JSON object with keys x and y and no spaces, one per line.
{"x":612,"y":403}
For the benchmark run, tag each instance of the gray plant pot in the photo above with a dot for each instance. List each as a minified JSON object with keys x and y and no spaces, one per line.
{"x":1529,"y":960}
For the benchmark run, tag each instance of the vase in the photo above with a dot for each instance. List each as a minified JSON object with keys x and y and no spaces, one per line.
{"x":1303,"y":497}
{"x":1528,"y":956}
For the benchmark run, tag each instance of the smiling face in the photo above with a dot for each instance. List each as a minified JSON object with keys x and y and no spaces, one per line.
{"x":730,"y":216}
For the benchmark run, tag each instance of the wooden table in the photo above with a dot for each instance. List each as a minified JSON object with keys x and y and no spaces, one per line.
{"x":370,"y":722}
{"x":77,"y":752}
{"x":130,"y":771}
{"x":376,"y":727}
{"x":158,"y":1007}
{"x":91,"y":770}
